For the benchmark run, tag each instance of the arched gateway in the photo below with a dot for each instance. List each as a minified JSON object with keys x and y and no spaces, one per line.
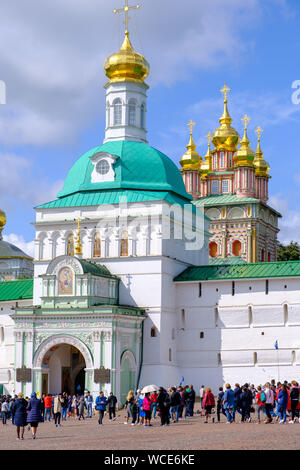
{"x":61,"y":362}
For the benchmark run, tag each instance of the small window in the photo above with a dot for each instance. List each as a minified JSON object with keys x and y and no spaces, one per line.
{"x":124,"y":244}
{"x":216,"y":317}
{"x":219,"y":359}
{"x":200,"y":290}
{"x":183,"y":317}
{"x":222,"y":160}
{"x":97,"y":246}
{"x":153,"y":332}
{"x":225,"y":186}
{"x":201,"y":334}
{"x":132,"y":113}
{"x":70,"y":245}
{"x":215,"y":187}
{"x":102,"y":167}
{"x":117,"y":112}
{"x":170,"y":355}
{"x":263,"y":333}
{"x":267,"y":287}
{"x":230,"y":159}
{"x":143,"y":116}
{"x":255,"y":358}
{"x":173,"y":333}
{"x":233,"y":288}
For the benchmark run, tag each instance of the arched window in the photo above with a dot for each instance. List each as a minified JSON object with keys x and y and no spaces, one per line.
{"x":222,"y":160}
{"x":213,"y":249}
{"x":153,"y":332}
{"x":170,"y":354}
{"x":117,"y":112}
{"x":236,"y":248}
{"x":97,"y":246}
{"x":124,"y":244}
{"x":132,"y":113}
{"x":70,"y":245}
{"x":143,"y":116}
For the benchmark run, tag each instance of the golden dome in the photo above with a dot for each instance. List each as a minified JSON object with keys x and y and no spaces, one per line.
{"x":206,"y":165}
{"x":245,"y":155}
{"x":191,"y":160}
{"x":2,"y":221}
{"x":225,"y":137}
{"x":262,"y":167}
{"x":126,"y":64}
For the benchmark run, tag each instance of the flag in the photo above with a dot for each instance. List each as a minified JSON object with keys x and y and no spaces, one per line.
{"x":181,"y":381}
{"x":276,"y":344}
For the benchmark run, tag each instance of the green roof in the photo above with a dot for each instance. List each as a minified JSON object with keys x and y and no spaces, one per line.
{"x":16,"y":290}
{"x":240,"y":271}
{"x":95,"y":198}
{"x":229,"y":260}
{"x":229,"y":199}
{"x":94,"y":269}
{"x":138,"y":166}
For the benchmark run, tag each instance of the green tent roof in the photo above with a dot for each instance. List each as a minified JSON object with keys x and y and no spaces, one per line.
{"x":16,"y":290}
{"x":139,"y":166}
{"x":240,"y":271}
{"x":94,"y":269}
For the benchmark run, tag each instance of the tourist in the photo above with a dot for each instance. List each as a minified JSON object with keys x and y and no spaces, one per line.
{"x":128,"y":405}
{"x":20,"y":415}
{"x":191,"y":401}
{"x":260,"y":400}
{"x":175,"y":401}
{"x":147,"y":409}
{"x":220,"y":404}
{"x":201,"y":394}
{"x":142,"y":413}
{"x":89,"y":405}
{"x":134,"y":410}
{"x":48,"y":407}
{"x":246,"y":403}
{"x":269,"y":404}
{"x":237,"y":394}
{"x":282,"y":404}
{"x":163,"y":402}
{"x":64,"y":406}
{"x":34,"y":416}
{"x":208,"y":403}
{"x":5,"y":411}
{"x":101,"y":402}
{"x":112,"y":402}
{"x":81,"y":407}
{"x":294,"y":397}
{"x":57,"y":409}
{"x":43,"y":405}
{"x":228,"y":404}
{"x":153,"y":404}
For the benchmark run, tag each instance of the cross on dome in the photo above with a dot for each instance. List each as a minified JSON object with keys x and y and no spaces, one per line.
{"x":259,"y":132}
{"x":125,"y":10}
{"x":191,"y":124}
{"x":246,"y":119}
{"x":225,"y":90}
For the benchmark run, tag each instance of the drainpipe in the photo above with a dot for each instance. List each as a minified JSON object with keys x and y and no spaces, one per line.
{"x":141,"y":357}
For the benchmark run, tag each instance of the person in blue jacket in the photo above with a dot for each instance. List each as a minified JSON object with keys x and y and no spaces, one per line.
{"x":228,"y":404}
{"x":100,"y":406}
{"x":34,"y":416}
{"x":19,"y":414}
{"x":282,"y":403}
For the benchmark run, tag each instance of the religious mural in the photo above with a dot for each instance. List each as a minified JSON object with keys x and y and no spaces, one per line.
{"x":65,"y":281}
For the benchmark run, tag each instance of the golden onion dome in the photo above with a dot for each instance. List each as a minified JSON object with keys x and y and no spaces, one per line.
{"x":191,"y":160}
{"x":244,"y":155}
{"x":225,"y":137}
{"x":2,"y":221}
{"x":126,"y":64}
{"x":262,"y":167}
{"x":206,"y":165}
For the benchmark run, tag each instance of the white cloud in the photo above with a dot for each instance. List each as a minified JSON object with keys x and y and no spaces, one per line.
{"x":52,"y":54}
{"x":289,"y":224}
{"x":18,"y":184}
{"x":18,"y":240}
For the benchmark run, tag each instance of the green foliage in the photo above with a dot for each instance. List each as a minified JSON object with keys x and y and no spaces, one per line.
{"x":289,"y":252}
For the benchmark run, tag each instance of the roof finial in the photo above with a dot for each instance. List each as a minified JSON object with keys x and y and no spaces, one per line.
{"x":246,"y":119}
{"x":225,"y":90}
{"x":125,"y":10}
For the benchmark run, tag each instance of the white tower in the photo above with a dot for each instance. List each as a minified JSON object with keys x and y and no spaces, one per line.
{"x":126,"y":94}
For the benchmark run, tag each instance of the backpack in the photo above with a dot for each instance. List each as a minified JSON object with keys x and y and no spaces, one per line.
{"x":263,"y":397}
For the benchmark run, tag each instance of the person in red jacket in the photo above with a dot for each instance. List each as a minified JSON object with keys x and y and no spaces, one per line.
{"x":208,"y":403}
{"x":48,"y":407}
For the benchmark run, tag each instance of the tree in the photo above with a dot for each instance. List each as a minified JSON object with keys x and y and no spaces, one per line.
{"x":289,"y":252}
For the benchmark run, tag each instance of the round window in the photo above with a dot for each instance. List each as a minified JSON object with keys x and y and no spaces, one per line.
{"x":103,"y":167}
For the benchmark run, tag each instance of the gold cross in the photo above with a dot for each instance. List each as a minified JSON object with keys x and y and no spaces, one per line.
{"x":125,"y":10}
{"x":191,"y":124}
{"x":209,"y":136}
{"x":259,"y":132}
{"x":225,"y":90}
{"x":246,"y":119}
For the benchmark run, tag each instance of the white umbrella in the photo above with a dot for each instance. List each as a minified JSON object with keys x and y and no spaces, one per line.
{"x":150,"y":388}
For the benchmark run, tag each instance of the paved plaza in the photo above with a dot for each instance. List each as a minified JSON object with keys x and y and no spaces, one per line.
{"x":184,"y":435}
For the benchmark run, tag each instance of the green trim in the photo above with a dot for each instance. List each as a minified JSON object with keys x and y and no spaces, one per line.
{"x":230,"y":199}
{"x":16,"y":290}
{"x":240,"y":271}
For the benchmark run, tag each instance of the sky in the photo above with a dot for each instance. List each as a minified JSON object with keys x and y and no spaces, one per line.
{"x":51,"y":62}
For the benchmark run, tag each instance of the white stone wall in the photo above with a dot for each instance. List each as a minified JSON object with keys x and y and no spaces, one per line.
{"x":239,"y":331}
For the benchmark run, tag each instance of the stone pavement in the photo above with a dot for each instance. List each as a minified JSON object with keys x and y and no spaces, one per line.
{"x":188,"y":434}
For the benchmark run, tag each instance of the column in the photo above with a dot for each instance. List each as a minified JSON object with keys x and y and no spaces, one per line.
{"x":224,"y":243}
{"x":97,"y":360}
{"x":29,"y":353}
{"x":18,"y":358}
{"x":108,"y":357}
{"x":137,"y":354}
{"x":249,"y":246}
{"x":117,"y":369}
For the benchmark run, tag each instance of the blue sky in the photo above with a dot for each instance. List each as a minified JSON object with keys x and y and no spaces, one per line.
{"x":51,"y":59}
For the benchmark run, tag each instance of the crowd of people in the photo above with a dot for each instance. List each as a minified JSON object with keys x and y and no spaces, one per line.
{"x":279,"y":402}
